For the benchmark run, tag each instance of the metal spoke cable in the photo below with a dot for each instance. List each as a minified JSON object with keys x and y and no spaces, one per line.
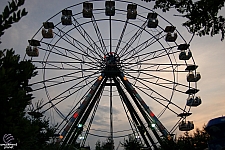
{"x":71,"y":51}
{"x":60,"y":83}
{"x":88,"y":38}
{"x":121,"y":36}
{"x":169,"y":81}
{"x":132,"y":40}
{"x":141,"y":47}
{"x":153,"y":54}
{"x":160,"y":96}
{"x":57,"y":77}
{"x":99,"y":35}
{"x":78,"y":43}
{"x":65,"y":92}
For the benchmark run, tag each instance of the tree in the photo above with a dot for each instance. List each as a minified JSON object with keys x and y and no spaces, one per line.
{"x":30,"y":130}
{"x":106,"y":145}
{"x":98,"y":145}
{"x":198,"y":141}
{"x":131,"y":143}
{"x":11,"y":15}
{"x":202,"y":16}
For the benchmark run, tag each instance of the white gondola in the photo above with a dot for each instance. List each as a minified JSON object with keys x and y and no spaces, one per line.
{"x":47,"y":33}
{"x":110,"y":8}
{"x":32,"y":51}
{"x":186,"y":126}
{"x":87,"y":10}
{"x":66,"y":17}
{"x":131,"y":11}
{"x":171,"y":37}
{"x":152,"y":20}
{"x":185,"y":56}
{"x":191,"y":77}
{"x":194,"y":101}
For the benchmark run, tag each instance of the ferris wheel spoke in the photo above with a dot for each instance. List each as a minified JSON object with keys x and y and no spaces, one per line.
{"x":157,"y":99}
{"x":145,"y":57}
{"x":132,"y":40}
{"x":110,"y":34}
{"x":143,"y":82}
{"x":163,"y":84}
{"x":64,"y":81}
{"x":58,"y":77}
{"x":62,"y":65}
{"x":63,"y":68}
{"x":98,"y":33}
{"x":156,"y":68}
{"x":151,"y":76}
{"x":141,"y":47}
{"x":121,"y":36}
{"x":57,"y":83}
{"x":163,"y":68}
{"x":67,"y":96}
{"x":59,"y":51}
{"x":146,"y":67}
{"x":88,"y":38}
{"x":77,"y":44}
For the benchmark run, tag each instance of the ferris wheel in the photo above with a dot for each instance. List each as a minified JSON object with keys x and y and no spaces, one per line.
{"x":111,"y":69}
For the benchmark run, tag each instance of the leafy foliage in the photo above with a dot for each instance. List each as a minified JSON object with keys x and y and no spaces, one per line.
{"x":131,"y":143}
{"x":29,"y":131}
{"x":104,"y":145}
{"x":14,"y":76}
{"x":198,"y":140}
{"x":32,"y":130}
{"x":202,"y":15}
{"x":11,"y":15}
{"x":98,"y":145}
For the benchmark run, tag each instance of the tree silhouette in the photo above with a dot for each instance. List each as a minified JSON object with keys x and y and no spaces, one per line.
{"x":132,"y":143}
{"x":11,"y":15}
{"x":32,"y":130}
{"x":202,"y":16}
{"x":198,"y":140}
{"x":106,"y":145}
{"x":29,"y":130}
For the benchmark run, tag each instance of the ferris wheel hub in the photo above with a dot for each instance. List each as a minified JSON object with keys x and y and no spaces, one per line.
{"x":112,"y":64}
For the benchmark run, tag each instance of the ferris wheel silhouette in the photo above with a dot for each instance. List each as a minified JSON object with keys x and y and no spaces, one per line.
{"x":115,"y":59}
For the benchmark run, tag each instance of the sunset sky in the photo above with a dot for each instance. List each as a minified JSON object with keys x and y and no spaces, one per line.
{"x":208,"y":53}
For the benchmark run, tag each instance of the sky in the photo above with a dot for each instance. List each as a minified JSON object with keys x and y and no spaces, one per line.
{"x":208,"y":53}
